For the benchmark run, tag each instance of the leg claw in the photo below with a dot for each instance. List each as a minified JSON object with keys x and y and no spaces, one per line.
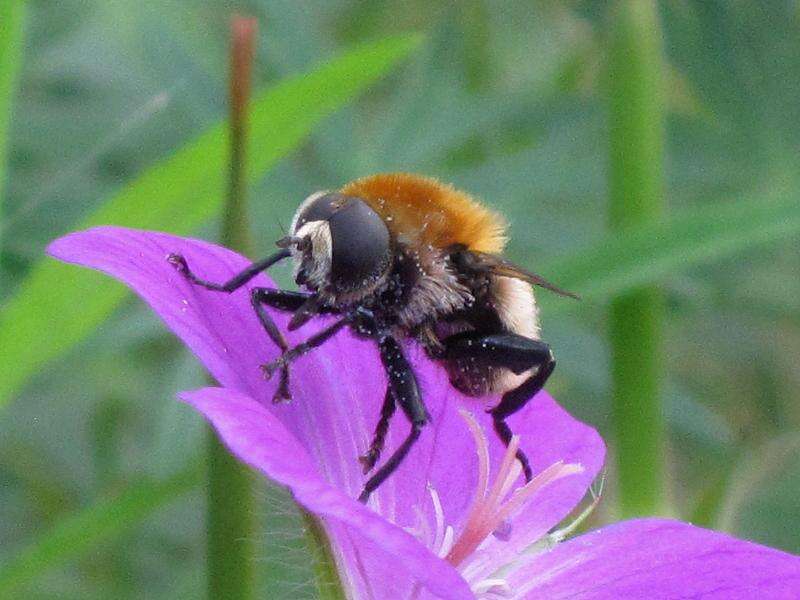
{"x":268,"y":369}
{"x":177,"y":261}
{"x":368,"y":460}
{"x":282,"y":393}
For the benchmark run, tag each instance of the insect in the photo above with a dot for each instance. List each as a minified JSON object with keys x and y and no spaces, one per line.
{"x":398,"y":256}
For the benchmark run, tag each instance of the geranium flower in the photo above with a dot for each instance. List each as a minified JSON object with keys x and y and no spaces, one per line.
{"x":456,"y":520}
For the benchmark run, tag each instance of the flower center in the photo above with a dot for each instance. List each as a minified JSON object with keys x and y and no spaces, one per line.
{"x":493,"y":507}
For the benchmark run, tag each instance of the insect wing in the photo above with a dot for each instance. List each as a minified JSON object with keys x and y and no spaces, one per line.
{"x":505,"y":268}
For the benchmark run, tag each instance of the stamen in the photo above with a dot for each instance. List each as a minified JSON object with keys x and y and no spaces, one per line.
{"x":491,"y":510}
{"x":503,"y":476}
{"x":482,"y":449}
{"x":477,"y":564}
{"x":513,"y":474}
{"x":421,"y":529}
{"x":497,"y":586}
{"x":439,"y":516}
{"x":488,"y":512}
{"x":447,"y":542}
{"x":549,"y":475}
{"x":485,"y":519}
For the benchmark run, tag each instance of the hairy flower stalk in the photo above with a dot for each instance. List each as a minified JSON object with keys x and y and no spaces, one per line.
{"x":456,"y":520}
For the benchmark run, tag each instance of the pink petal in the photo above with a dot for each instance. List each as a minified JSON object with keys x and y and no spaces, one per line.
{"x":224,"y":333}
{"x":257,"y":438}
{"x":658,"y":559}
{"x":338,"y":389}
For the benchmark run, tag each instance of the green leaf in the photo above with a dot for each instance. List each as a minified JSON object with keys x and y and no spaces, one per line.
{"x":57,"y":306}
{"x":623,"y":261}
{"x":12,"y":17}
{"x":107,"y":518}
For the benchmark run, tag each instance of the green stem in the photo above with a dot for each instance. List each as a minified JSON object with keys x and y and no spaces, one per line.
{"x":235,"y":227}
{"x":636,"y":198}
{"x":231,"y":501}
{"x":12,"y":21}
{"x":231,"y":526}
{"x":329,"y":585}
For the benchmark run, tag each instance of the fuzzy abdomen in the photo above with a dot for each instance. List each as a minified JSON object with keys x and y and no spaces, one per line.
{"x":508,"y":307}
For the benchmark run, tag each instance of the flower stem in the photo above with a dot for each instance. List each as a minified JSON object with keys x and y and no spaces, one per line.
{"x":12,"y":22}
{"x":636,"y":198}
{"x":235,"y":228}
{"x":329,"y":585}
{"x":231,"y":526}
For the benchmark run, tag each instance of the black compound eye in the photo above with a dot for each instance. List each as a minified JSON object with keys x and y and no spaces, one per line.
{"x":361,"y":248}
{"x":319,"y":209}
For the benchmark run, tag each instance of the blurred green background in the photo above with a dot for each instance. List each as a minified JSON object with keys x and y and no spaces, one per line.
{"x":99,"y":466}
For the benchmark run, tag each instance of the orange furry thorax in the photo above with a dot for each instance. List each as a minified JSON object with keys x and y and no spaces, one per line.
{"x":427,"y":211}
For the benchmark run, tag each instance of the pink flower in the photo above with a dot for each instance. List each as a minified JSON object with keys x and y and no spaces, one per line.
{"x":456,"y":520}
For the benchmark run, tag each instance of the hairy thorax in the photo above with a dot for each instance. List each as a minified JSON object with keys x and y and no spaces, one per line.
{"x":429,"y":299}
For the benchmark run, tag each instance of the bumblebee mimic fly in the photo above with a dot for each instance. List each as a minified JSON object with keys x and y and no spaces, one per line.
{"x":396,"y":257}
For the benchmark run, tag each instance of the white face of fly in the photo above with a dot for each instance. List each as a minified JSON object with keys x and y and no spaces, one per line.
{"x":312,"y":247}
{"x":339,"y":245}
{"x":312,"y":256}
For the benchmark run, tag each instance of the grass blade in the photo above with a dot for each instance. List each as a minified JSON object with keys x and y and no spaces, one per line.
{"x":108,"y":518}
{"x":57,"y":306}
{"x":624,"y":261}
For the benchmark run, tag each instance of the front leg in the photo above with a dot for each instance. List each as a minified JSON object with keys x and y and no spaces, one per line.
{"x":405,"y":390}
{"x":316,"y":340}
{"x":235,"y":282}
{"x":281,"y":300}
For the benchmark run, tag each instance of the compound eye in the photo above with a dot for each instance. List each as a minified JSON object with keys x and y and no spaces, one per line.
{"x":361,"y":247}
{"x":317,"y":207}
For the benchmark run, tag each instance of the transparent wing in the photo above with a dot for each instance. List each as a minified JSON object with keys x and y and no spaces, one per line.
{"x":505,"y":268}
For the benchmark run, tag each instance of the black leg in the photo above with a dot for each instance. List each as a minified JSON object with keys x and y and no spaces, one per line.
{"x":372,"y":455}
{"x":177,"y":261}
{"x":516,"y":353}
{"x":280,"y":300}
{"x":391,"y":465}
{"x":305,"y":312}
{"x":403,"y":386}
{"x":314,"y":341}
{"x":514,"y":400}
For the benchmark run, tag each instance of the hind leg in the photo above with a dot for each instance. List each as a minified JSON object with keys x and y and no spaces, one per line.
{"x":516,"y":353}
